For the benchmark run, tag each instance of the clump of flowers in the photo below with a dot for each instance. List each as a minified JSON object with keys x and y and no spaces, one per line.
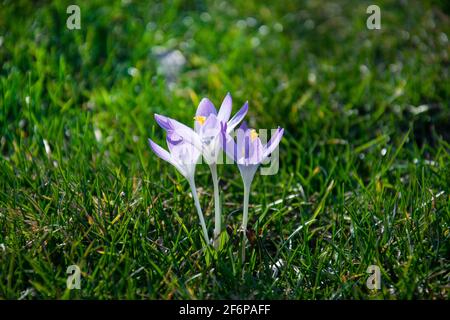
{"x":213,"y":133}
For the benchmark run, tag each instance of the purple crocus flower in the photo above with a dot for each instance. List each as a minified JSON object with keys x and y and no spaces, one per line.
{"x":248,"y":152}
{"x":206,"y":138}
{"x":208,"y":124}
{"x":182,"y":155}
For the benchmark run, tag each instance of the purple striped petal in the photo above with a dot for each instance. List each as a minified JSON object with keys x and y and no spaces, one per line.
{"x":170,"y":124}
{"x":256,"y":152}
{"x":227,"y":142}
{"x":237,"y":117}
{"x":176,"y":130}
{"x":273,"y":142}
{"x":225,"y":108}
{"x":160,"y":152}
{"x":250,"y":149}
{"x":174,"y":139}
{"x":243,"y":126}
{"x":164,"y":122}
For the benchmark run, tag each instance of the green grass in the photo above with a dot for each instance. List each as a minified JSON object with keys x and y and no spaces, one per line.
{"x":358,"y":154}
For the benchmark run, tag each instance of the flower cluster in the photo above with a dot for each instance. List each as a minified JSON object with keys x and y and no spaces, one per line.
{"x":212,"y":134}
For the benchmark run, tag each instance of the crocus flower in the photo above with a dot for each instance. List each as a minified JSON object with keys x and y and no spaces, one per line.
{"x":183,"y":156}
{"x":208,"y":124}
{"x":248,"y":152}
{"x":206,"y":138}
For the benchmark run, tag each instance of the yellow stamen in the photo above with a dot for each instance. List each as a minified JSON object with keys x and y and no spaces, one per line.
{"x":200,"y":119}
{"x":253,"y":134}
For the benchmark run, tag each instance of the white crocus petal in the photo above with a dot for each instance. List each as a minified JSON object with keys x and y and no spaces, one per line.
{"x":186,"y":156}
{"x":209,"y":134}
{"x":165,"y":155}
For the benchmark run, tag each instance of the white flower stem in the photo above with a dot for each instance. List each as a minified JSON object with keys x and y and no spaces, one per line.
{"x":245,"y":217}
{"x":199,"y":209}
{"x":217,"y":215}
{"x":246,"y":200}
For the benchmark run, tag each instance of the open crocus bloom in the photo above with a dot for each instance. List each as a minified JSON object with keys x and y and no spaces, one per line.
{"x":248,"y":152}
{"x":207,"y":127}
{"x":205,"y":138}
{"x":208,"y":124}
{"x":212,"y":132}
{"x":183,"y":156}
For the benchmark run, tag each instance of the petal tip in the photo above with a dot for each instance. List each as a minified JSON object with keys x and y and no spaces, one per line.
{"x":151,"y":143}
{"x":162,"y":121}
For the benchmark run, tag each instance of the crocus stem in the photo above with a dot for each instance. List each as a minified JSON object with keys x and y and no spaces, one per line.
{"x":217,"y":215}
{"x":199,"y":209}
{"x":246,"y":200}
{"x":245,"y":217}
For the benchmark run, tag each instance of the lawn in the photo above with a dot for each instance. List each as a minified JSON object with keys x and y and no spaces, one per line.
{"x":364,"y":176}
